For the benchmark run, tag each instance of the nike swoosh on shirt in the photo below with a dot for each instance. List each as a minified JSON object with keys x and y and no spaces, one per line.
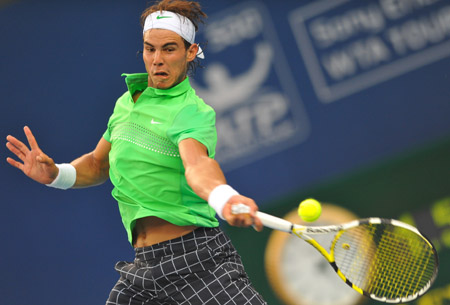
{"x":154,"y":122}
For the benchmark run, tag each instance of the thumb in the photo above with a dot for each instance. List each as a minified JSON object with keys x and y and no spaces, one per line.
{"x":43,"y":158}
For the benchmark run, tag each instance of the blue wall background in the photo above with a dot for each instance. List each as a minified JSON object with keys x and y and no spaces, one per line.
{"x":61,"y":62}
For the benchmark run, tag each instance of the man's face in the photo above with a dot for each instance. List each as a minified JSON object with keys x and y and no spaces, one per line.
{"x":166,"y":58}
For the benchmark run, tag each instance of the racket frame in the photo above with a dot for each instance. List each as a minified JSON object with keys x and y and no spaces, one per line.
{"x":301,"y":231}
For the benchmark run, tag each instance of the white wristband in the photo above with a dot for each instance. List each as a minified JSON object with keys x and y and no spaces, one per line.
{"x":219,"y":196}
{"x":66,"y":178}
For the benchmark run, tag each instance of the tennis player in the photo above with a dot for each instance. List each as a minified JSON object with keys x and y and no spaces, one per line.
{"x":158,"y":152}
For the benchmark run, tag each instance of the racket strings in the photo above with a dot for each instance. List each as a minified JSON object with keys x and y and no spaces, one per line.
{"x":385,"y":260}
{"x":403,"y":263}
{"x":408,"y":272}
{"x":352,"y":258}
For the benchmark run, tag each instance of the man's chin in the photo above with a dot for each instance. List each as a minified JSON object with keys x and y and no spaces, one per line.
{"x":163,"y":85}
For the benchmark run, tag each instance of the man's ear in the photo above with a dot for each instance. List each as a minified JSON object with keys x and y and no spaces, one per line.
{"x":192,"y":52}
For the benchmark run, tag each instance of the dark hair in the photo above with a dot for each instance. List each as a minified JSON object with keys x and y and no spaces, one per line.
{"x":189,"y":9}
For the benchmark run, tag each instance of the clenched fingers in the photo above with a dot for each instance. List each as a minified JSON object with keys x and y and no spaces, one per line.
{"x":242,"y":219}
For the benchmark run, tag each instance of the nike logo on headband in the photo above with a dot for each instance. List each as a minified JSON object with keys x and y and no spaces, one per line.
{"x":162,"y":17}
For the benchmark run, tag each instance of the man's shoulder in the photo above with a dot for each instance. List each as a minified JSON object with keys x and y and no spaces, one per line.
{"x":194,"y":99}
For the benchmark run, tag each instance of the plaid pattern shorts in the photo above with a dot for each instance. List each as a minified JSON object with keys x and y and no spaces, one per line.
{"x":201,"y":267}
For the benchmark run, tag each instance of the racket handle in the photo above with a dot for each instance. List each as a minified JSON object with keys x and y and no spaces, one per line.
{"x":267,"y":220}
{"x":275,"y":222}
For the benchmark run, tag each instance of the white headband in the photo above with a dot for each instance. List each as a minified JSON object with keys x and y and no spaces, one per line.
{"x":173,"y":22}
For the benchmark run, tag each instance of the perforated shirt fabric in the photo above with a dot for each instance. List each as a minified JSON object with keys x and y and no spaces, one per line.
{"x":145,"y":165}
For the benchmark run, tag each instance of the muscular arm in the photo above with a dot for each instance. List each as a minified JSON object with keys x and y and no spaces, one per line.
{"x":93,"y":168}
{"x":203,"y":174}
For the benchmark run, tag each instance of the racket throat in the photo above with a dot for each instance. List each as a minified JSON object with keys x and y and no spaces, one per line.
{"x":342,"y":276}
{"x":318,"y":247}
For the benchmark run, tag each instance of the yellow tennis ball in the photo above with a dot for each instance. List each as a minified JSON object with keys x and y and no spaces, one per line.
{"x":309,"y":210}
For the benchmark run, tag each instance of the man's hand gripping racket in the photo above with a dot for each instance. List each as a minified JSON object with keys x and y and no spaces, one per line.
{"x":383,"y":259}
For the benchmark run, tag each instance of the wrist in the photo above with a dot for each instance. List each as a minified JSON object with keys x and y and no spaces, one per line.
{"x":66,"y":177}
{"x":219,"y":196}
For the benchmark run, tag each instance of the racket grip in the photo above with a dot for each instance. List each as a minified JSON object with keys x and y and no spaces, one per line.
{"x":275,"y":222}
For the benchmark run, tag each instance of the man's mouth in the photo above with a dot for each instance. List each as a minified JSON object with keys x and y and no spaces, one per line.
{"x":162,"y":74}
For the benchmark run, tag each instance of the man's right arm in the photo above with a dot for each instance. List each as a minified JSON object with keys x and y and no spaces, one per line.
{"x":93,"y":168}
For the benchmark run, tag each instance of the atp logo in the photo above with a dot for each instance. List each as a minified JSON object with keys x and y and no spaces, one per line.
{"x":248,"y":82}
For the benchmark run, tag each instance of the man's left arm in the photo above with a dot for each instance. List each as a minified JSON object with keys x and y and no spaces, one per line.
{"x":204,"y":175}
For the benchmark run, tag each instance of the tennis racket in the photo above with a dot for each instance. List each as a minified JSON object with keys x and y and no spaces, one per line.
{"x":384,"y":259}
